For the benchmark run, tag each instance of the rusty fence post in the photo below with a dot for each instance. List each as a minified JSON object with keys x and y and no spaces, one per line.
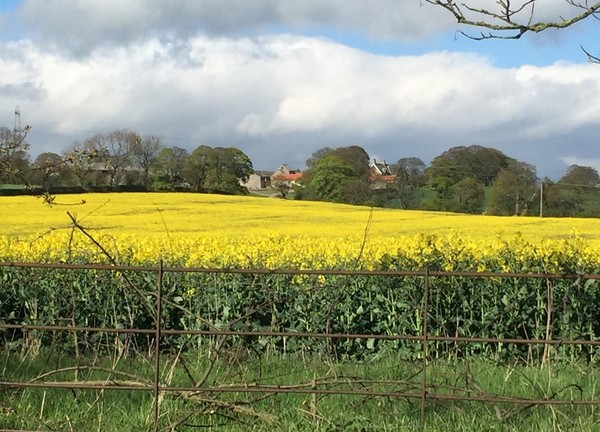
{"x":425,"y":350}
{"x":158,"y":323}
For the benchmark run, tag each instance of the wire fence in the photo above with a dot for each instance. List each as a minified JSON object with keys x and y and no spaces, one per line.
{"x":422,"y":389}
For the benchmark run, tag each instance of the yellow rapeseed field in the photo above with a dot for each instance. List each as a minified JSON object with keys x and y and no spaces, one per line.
{"x":253,"y":232}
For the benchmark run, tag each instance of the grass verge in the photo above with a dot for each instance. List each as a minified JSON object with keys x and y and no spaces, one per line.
{"x":224,"y":410}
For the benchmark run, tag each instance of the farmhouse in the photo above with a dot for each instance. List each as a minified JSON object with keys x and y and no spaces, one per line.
{"x":260,"y":180}
{"x":284,"y":174}
{"x":381,"y":174}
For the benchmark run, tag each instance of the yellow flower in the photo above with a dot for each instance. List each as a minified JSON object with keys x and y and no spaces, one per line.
{"x":247,"y":232}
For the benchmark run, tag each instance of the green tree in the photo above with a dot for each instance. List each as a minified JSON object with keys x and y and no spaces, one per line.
{"x":458,"y":163}
{"x":504,"y":194}
{"x":328,"y":182}
{"x":468,"y":196}
{"x":230,"y":169}
{"x":577,"y":175}
{"x":481,"y":163}
{"x":559,"y":201}
{"x":219,"y":169}
{"x":357,"y":158}
{"x":198,"y":166}
{"x":514,"y":191}
{"x":316,"y":155}
{"x":347,"y":171}
{"x":578,"y":188}
{"x":443,"y":173}
{"x":168,"y":168}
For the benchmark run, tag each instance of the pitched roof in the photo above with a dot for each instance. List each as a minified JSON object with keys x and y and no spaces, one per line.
{"x":380,"y":168}
{"x":290,"y":176}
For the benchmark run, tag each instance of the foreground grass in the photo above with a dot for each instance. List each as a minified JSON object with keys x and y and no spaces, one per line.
{"x":124,"y":410}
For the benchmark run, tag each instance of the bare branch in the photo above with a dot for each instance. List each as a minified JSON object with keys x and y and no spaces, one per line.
{"x":592,"y":58}
{"x":511,"y":22}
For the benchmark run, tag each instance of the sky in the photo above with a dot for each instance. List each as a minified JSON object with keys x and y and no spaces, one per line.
{"x":280,"y":79}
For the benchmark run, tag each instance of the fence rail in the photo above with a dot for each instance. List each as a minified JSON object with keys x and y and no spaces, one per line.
{"x":425,"y":391}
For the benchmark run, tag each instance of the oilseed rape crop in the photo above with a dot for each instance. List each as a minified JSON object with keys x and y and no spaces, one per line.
{"x":229,"y":232}
{"x":196,"y":230}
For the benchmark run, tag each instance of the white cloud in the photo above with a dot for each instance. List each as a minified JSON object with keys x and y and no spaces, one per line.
{"x":81,"y":25}
{"x":281,"y":97}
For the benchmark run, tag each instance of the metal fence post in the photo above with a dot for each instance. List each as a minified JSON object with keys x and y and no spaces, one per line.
{"x":425,"y":351}
{"x":157,"y":335}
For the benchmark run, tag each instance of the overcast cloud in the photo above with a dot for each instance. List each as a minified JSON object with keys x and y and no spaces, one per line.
{"x":80,"y":25}
{"x":267,"y":76}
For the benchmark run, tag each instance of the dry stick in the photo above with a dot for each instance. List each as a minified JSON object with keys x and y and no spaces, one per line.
{"x":221,"y":342}
{"x":550,"y":307}
{"x":166,"y":230}
{"x":364,"y":240}
{"x":214,"y":353}
{"x":235,"y":407}
{"x":76,"y":224}
{"x":131,"y":377}
{"x":168,"y":380}
{"x":326,"y":384}
{"x":212,"y":362}
{"x":356,"y":265}
{"x":313,"y":403}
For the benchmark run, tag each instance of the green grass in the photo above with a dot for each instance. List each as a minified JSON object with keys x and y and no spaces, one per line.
{"x":120,"y":410}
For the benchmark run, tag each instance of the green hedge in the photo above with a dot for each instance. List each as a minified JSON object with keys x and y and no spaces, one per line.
{"x":358,"y":304}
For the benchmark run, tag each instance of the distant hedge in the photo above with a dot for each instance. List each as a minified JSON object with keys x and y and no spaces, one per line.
{"x":63,"y":190}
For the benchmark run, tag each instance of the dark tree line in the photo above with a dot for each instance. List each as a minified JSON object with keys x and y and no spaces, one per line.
{"x":123,"y":159}
{"x":473,"y":179}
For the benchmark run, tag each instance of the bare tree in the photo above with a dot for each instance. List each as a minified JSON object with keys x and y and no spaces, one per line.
{"x":145,"y":153}
{"x":79,"y":159}
{"x":47,"y":170}
{"x":506,"y":19}
{"x":14,"y":160}
{"x":116,"y":149}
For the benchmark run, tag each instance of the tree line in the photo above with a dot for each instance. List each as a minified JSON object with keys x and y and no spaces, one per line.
{"x":468,"y":179}
{"x":124,"y":160}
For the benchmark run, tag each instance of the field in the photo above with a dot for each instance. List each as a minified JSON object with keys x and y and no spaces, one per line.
{"x":252,"y":232}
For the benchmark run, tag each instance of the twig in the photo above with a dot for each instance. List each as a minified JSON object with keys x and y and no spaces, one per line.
{"x":149,"y":308}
